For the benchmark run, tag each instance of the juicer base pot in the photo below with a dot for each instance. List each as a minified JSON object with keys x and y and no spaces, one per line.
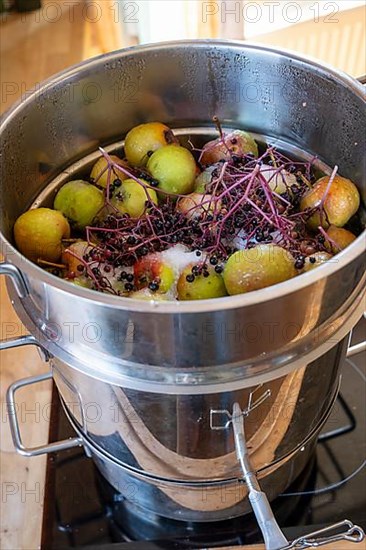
{"x":101,"y":517}
{"x":344,"y":530}
{"x":176,"y":499}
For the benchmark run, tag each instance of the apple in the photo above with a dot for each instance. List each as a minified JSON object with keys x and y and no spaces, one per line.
{"x":38,"y":234}
{"x":99,"y":173}
{"x":204,"y":178}
{"x":80,"y":202}
{"x":78,"y":248}
{"x":316,"y":259}
{"x":279,"y":181}
{"x":131,"y":198}
{"x":196,"y":204}
{"x":80,"y":281}
{"x":237,"y":143}
{"x":200,"y":287}
{"x":144,"y":139}
{"x":258,"y":267}
{"x":152,"y":272}
{"x":340,"y":239}
{"x":174,"y":168}
{"x":341,"y":202}
{"x":147,"y":295}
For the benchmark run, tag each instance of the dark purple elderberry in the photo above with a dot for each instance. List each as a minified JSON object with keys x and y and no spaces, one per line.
{"x":154,"y":286}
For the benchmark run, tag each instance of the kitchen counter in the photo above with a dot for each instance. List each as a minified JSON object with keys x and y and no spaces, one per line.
{"x":32,"y":49}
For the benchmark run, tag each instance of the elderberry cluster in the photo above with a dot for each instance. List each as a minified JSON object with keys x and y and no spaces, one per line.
{"x":240,"y":205}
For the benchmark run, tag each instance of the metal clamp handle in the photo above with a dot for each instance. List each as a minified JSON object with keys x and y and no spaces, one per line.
{"x":353,"y":533}
{"x":273,"y":537}
{"x":220,"y":419}
{"x":16,"y":275}
{"x":14,"y":424}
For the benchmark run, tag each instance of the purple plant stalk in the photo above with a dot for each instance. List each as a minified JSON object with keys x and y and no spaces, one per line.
{"x":280,"y":222}
{"x":329,"y":184}
{"x":329,"y":239}
{"x":240,"y":189}
{"x":212,"y":144}
{"x":87,"y":267}
{"x":320,"y":207}
{"x":131,"y":175}
{"x":241,"y":201}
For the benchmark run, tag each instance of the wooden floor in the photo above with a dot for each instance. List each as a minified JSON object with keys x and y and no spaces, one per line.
{"x":33,"y":49}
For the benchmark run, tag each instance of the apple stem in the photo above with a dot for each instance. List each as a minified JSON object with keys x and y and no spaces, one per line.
{"x":51,"y":264}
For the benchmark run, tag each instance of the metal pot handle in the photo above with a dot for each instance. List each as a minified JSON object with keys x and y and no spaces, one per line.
{"x":26,"y":340}
{"x":14,"y":424}
{"x":16,"y":275}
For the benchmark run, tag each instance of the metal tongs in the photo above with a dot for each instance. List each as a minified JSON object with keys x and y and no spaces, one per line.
{"x":274,"y":538}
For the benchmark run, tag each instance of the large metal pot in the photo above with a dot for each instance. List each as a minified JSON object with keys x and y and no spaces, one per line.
{"x":178,"y":367}
{"x":184,"y":84}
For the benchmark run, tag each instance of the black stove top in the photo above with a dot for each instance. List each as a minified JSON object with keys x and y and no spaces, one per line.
{"x":83,"y":510}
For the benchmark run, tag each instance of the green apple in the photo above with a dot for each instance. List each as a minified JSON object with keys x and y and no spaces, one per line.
{"x":199,"y":287}
{"x":258,"y":267}
{"x":174,"y":168}
{"x":144,"y":139}
{"x":80,"y":202}
{"x":99,"y":173}
{"x":131,"y":198}
{"x":146,"y":295}
{"x":204,"y":178}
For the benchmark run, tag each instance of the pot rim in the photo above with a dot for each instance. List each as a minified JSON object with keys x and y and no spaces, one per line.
{"x":225,"y":303}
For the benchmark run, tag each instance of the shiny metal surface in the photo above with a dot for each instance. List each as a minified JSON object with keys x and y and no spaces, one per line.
{"x":170,"y":436}
{"x":11,"y":271}
{"x":190,"y":345}
{"x":14,"y":423}
{"x":196,"y":501}
{"x":343,"y":530}
{"x":26,"y":340}
{"x":274,"y":538}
